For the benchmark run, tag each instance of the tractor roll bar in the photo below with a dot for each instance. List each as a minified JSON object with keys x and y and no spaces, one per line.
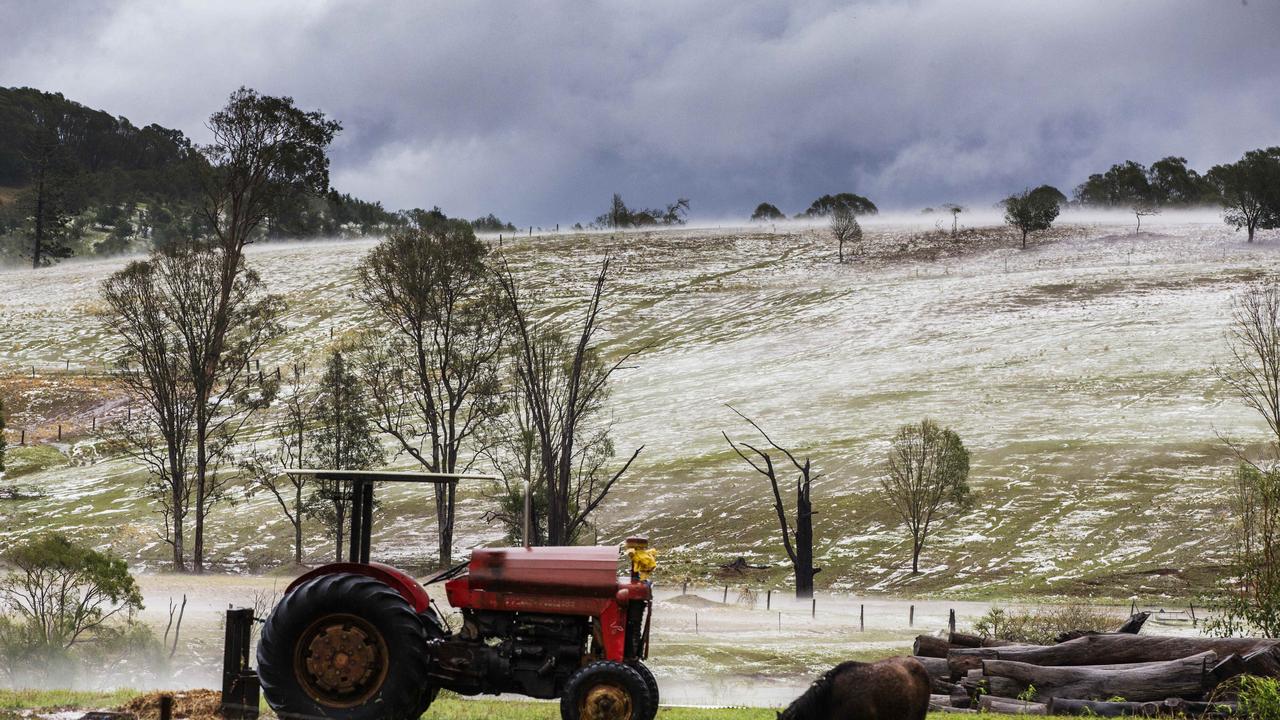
{"x":362,"y":497}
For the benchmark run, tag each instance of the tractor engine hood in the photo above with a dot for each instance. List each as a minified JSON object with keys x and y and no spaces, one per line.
{"x":578,"y":571}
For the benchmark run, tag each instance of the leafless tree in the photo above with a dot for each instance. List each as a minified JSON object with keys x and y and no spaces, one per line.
{"x":512,"y":449}
{"x":159,"y":308}
{"x":955,"y":211}
{"x":226,"y":389}
{"x":565,"y":385}
{"x":1253,"y":370}
{"x":927,"y":477}
{"x":797,"y":536}
{"x":434,"y":379}
{"x":152,"y":368}
{"x":845,"y":228}
{"x":1141,"y":210}
{"x":1251,"y":601}
{"x":291,"y":451}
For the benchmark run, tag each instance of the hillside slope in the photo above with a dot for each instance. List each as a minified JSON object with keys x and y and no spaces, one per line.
{"x":1078,"y":372}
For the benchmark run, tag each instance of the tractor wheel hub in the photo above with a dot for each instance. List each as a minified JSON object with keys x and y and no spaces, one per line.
{"x":343,"y":660}
{"x":605,"y":702}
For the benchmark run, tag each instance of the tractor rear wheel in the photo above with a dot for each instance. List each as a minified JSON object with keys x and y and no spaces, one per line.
{"x":651,"y":683}
{"x":606,"y":690}
{"x":344,"y":646}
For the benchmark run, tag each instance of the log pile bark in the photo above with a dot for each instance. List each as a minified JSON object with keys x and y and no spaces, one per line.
{"x":1103,"y":674}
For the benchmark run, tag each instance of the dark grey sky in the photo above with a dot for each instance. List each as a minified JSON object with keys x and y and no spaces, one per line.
{"x":539,"y":110}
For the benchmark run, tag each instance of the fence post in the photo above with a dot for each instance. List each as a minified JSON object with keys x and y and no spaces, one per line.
{"x":951,"y":621}
{"x":166,"y":707}
{"x":695,"y":623}
{"x":684,"y":588}
{"x":779,"y":621}
{"x":862,"y":618}
{"x":59,"y":433}
{"x":23,"y":441}
{"x":95,"y":423}
{"x":814,"y":611}
{"x":725,"y":600}
{"x":68,"y":365}
{"x":911,"y":617}
{"x":768,"y":600}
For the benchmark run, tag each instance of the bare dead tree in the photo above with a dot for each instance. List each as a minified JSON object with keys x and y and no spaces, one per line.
{"x":845,"y":229}
{"x":151,"y":366}
{"x":512,"y":448}
{"x":180,"y":611}
{"x":1253,"y":341}
{"x":238,"y":320}
{"x":955,"y":210}
{"x":291,"y":451}
{"x":1250,"y":601}
{"x":1141,"y":210}
{"x":927,"y":477}
{"x":797,"y":536}
{"x":565,"y":386}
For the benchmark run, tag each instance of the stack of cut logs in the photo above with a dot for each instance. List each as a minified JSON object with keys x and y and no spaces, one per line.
{"x":1104,"y":674}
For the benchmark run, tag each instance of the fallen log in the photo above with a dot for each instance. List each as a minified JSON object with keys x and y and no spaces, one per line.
{"x":963,"y":659}
{"x":930,"y":646}
{"x":1134,"y":624}
{"x":1188,"y":676}
{"x":1170,"y":706}
{"x":966,"y":640}
{"x":1010,"y":706}
{"x":1068,"y":706}
{"x":1108,"y":649}
{"x":1229,"y":667}
{"x":937,"y":701}
{"x":1264,"y":662}
{"x":975,"y":685}
{"x":935,"y":666}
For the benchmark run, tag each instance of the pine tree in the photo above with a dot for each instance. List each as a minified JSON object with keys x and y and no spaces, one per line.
{"x":343,"y":440}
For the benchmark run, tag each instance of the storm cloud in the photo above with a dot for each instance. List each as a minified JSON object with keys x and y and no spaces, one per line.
{"x":539,"y":110}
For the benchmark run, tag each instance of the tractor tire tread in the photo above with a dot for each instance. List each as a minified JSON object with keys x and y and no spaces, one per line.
{"x":638,"y":690}
{"x":404,"y":694}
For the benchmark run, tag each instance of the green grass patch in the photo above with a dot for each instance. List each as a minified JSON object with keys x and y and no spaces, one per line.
{"x":446,"y":708}
{"x":24,"y":460}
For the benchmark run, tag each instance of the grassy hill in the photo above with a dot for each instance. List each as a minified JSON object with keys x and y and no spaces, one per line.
{"x":1078,"y":373}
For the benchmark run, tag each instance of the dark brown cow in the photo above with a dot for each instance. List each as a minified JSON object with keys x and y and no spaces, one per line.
{"x":893,"y":689}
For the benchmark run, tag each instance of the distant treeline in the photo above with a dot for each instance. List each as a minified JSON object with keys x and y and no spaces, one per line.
{"x":82,"y":182}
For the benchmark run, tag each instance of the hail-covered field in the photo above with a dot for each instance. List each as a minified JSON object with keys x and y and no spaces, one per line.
{"x":1078,"y":372}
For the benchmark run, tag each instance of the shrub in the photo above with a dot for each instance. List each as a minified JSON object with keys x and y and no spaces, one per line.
{"x":1259,"y":697}
{"x":1042,"y":626}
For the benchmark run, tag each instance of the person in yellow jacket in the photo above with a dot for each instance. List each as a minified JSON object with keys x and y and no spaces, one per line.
{"x":643,"y":559}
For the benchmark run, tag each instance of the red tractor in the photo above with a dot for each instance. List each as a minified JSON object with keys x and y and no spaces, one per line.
{"x":361,"y":640}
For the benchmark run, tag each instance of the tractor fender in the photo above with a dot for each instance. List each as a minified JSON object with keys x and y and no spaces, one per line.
{"x":402,"y":583}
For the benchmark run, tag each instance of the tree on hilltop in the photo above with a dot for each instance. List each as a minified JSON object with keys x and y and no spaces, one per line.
{"x":1029,"y":212}
{"x":767,"y":212}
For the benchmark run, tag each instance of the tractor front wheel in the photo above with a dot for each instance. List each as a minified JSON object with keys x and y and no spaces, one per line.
{"x":606,"y":690}
{"x":344,"y":646}
{"x":651,"y":683}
